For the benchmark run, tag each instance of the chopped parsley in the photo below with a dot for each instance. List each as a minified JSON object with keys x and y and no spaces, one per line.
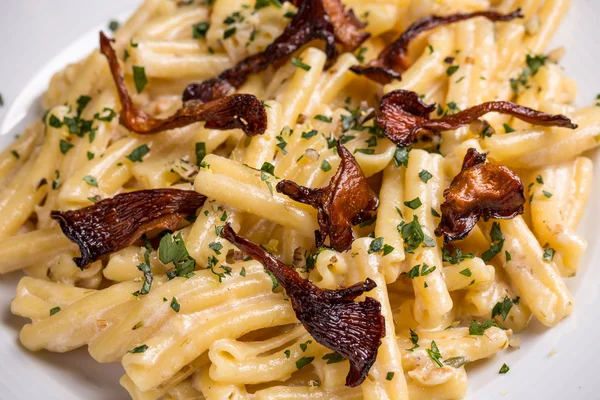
{"x":452,"y":108}
{"x":243,"y":271}
{"x":508,"y":128}
{"x":64,"y":146}
{"x":145,"y":268}
{"x":265,"y":3}
{"x":229,"y":33}
{"x":268,"y":168}
{"x":309,"y":134}
{"x":547,"y":194}
{"x":414,"y":338}
{"x":478,"y":329}
{"x":199,"y":30}
{"x":139,"y":77}
{"x":175,"y":306}
{"x":172,"y":250}
{"x":372,"y":141}
{"x":497,"y":243}
{"x":387,"y":249}
{"x":200,"y":152}
{"x":466,"y":272}
{"x":216,"y":247}
{"x":212,"y":263}
{"x":273,"y":280}
{"x":364,"y":151}
{"x":54,"y":121}
{"x":504,"y":369}
{"x":507,"y":255}
{"x":389,"y":376}
{"x":434,"y":354}
{"x":503,"y":308}
{"x":297,"y":62}
{"x":456,"y":362}
{"x":376,"y":245}
{"x":15,"y":154}
{"x":54,"y":310}
{"x":452,"y":70}
{"x":360,"y":55}
{"x":413,"y":204}
{"x":107,"y":115}
{"x":281,"y":143}
{"x":139,"y":349}
{"x":425,"y":270}
{"x":303,"y":362}
{"x":113,"y":25}
{"x":425,"y":175}
{"x":90,"y":155}
{"x":323,"y":118}
{"x":549,"y":254}
{"x":138,"y":154}
{"x":265,"y":178}
{"x":435,"y":213}
{"x":457,"y":257}
{"x":413,"y":235}
{"x":401,"y":156}
{"x":539,"y":180}
{"x":304,"y":346}
{"x":325,"y":166}
{"x":90,"y":180}
{"x":333,"y":358}
{"x":534,"y":63}
{"x":287,"y":353}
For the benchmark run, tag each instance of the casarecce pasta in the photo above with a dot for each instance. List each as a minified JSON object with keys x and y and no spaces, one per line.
{"x":191,"y":316}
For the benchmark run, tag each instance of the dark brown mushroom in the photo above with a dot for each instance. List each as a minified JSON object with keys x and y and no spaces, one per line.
{"x":347,"y":200}
{"x":243,"y":111}
{"x":316,"y":19}
{"x":403,"y":115}
{"x":332,"y":317}
{"x":393,"y":60}
{"x":113,"y":224}
{"x":481,"y":189}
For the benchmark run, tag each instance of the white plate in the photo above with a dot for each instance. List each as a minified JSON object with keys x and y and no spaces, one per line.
{"x":40,"y":37}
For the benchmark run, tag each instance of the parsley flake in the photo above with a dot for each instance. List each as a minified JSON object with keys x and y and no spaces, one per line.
{"x":333,"y":358}
{"x":138,"y":154}
{"x":297,"y":62}
{"x":139,"y":77}
{"x":139,"y":349}
{"x":425,"y":175}
{"x":90,"y":180}
{"x":413,"y":204}
{"x":303,"y":362}
{"x":199,"y":30}
{"x":175,"y":306}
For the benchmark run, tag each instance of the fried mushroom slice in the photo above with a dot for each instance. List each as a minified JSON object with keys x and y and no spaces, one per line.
{"x":347,"y":200}
{"x":113,"y":224}
{"x":393,"y":60}
{"x":403,"y":115}
{"x":481,"y":189}
{"x":316,"y":19}
{"x":332,"y":317}
{"x":243,"y":111}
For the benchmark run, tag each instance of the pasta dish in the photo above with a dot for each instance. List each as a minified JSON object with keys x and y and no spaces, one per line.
{"x":307,"y":199}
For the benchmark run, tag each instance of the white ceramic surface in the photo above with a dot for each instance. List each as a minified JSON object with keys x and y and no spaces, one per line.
{"x":39,"y":37}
